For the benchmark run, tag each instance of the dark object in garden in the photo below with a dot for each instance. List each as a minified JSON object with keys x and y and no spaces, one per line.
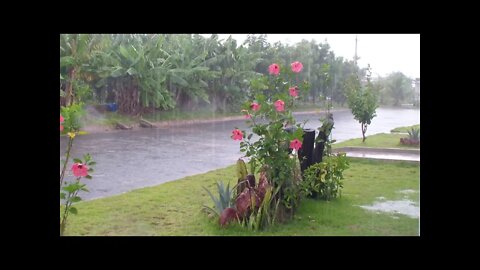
{"x":112,"y":107}
{"x":251,"y":180}
{"x":305,"y":154}
{"x":323,"y":134}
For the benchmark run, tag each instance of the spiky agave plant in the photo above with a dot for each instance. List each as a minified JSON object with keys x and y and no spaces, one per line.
{"x":223,"y":201}
{"x":414,"y":134}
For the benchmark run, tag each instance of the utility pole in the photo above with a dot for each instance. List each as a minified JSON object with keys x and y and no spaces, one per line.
{"x":355,"y":50}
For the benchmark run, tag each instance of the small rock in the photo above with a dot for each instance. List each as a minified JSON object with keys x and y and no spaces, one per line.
{"x":119,"y":125}
{"x":145,"y":124}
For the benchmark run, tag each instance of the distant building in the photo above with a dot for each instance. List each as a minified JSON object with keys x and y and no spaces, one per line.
{"x":417,"y":92}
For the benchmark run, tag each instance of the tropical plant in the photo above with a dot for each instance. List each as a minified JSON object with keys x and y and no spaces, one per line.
{"x":273,"y":98}
{"x":72,"y":116}
{"x":76,"y":69}
{"x":80,"y":168}
{"x":262,"y":215}
{"x":413,"y":137}
{"x":414,"y":134}
{"x":224,"y":200}
{"x":324,"y":180}
{"x":137,"y":67}
{"x":69,"y":193}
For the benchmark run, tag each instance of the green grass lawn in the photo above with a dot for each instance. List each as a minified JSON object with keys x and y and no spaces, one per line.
{"x":174,"y":208}
{"x":405,"y":129}
{"x":382,"y":140}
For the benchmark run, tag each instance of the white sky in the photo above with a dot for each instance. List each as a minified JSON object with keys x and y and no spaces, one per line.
{"x":386,"y":53}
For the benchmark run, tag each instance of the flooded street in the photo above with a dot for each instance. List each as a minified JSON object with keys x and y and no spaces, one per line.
{"x":128,"y":160}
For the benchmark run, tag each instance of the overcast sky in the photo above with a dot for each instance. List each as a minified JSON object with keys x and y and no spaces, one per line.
{"x":386,"y":53}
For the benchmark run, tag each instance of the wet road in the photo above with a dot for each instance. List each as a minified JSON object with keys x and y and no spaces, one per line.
{"x":129,"y":160}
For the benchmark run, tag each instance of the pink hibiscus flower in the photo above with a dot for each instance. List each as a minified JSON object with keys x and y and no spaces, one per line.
{"x":79,"y":169}
{"x":247,"y":114}
{"x":279,"y":105}
{"x":274,"y":69}
{"x":255,"y":106}
{"x":293,"y":91}
{"x":237,"y":135}
{"x":61,"y":121}
{"x":296,"y":66}
{"x":295,"y":144}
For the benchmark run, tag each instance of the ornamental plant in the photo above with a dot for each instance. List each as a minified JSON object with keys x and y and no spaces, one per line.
{"x":80,"y":169}
{"x":278,"y":136}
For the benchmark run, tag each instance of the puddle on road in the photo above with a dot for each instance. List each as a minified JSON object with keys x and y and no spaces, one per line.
{"x":404,"y":207}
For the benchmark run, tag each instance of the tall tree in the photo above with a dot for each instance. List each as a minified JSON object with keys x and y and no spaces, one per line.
{"x":362,"y":101}
{"x":137,"y":66}
{"x":400,"y":87}
{"x":76,"y":51}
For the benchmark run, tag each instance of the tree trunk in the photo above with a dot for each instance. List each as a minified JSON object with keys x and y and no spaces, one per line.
{"x":69,"y":87}
{"x":322,"y":138}
{"x":364,"y":129}
{"x":313,"y":96}
{"x":127,"y":95}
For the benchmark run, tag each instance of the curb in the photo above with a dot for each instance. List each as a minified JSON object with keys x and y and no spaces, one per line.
{"x":377,"y":150}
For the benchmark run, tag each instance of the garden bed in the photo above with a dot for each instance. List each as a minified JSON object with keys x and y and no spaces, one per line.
{"x":174,"y":208}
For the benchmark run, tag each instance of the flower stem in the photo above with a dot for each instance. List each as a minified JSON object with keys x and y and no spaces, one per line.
{"x":69,"y":148}
{"x":68,"y":204}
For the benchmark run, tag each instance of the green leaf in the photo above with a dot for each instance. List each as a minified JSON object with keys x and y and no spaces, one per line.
{"x":132,"y":71}
{"x":75,"y":199}
{"x":67,"y":61}
{"x":76,"y":160}
{"x":71,"y":188}
{"x":123,"y":51}
{"x":73,"y":210}
{"x":178,"y":80}
{"x":88,"y":177}
{"x":118,"y":72}
{"x":62,"y":195}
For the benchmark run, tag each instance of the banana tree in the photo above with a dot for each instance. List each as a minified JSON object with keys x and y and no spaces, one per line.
{"x":188,"y":77}
{"x":136,"y":66}
{"x":76,"y":51}
{"x":235,"y":68}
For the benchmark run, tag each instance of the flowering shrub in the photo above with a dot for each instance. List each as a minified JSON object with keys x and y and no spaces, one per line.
{"x":80,"y":168}
{"x":270,"y":113}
